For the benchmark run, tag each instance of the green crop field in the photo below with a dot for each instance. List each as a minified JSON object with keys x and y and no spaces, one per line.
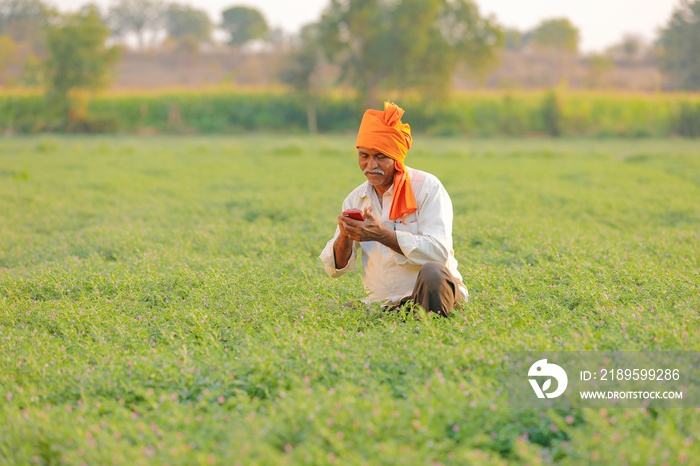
{"x":474,"y":113}
{"x":161,"y":301}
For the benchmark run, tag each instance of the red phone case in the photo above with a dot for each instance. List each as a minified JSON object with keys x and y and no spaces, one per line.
{"x":354,"y":214}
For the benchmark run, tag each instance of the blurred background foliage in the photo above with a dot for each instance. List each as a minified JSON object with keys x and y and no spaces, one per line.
{"x":178,"y":69}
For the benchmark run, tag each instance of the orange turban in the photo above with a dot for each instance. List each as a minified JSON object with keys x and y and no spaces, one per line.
{"x":384,"y":132}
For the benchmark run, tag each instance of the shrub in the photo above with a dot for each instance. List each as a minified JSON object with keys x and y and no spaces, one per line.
{"x":687,"y":123}
{"x":486,"y":114}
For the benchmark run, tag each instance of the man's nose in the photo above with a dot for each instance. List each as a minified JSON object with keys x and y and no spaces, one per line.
{"x":373,"y":163}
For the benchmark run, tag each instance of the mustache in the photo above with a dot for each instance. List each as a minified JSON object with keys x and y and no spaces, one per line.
{"x":378,"y":171}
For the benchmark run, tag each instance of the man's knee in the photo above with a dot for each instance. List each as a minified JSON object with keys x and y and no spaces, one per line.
{"x":433,"y":274}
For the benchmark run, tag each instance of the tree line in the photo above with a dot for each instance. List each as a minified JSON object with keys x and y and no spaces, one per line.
{"x":72,"y":53}
{"x":377,"y":45}
{"x":143,"y":18}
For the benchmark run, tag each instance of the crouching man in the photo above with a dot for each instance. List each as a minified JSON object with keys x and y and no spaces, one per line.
{"x":403,"y":227}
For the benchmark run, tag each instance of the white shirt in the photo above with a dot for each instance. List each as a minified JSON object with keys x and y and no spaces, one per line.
{"x":427,"y":236}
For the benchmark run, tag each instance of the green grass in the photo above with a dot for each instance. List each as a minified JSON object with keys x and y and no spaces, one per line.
{"x":161,"y":301}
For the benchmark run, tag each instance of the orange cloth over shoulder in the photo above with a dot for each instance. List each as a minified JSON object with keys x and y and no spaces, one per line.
{"x":384,"y":132}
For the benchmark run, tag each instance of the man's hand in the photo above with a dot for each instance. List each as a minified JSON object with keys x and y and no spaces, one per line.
{"x":371,"y":229}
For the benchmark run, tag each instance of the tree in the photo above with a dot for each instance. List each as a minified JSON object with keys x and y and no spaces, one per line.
{"x":135,"y":16}
{"x":680,"y":41}
{"x":304,"y":60}
{"x":555,"y":34}
{"x":183,"y":21}
{"x":23,"y":20}
{"x":402,"y":44}
{"x":243,"y":25}
{"x":20,"y":11}
{"x":632,"y":48}
{"x":77,"y":56}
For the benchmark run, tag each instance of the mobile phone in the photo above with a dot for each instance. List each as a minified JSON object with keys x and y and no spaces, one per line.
{"x":354,"y":214}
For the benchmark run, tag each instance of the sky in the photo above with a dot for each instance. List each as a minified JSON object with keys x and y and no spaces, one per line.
{"x":602,"y":22}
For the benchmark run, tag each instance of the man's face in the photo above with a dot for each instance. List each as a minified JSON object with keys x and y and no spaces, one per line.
{"x":377,"y":167}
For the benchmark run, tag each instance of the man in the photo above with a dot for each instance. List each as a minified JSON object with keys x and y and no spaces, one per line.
{"x":406,"y":234}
